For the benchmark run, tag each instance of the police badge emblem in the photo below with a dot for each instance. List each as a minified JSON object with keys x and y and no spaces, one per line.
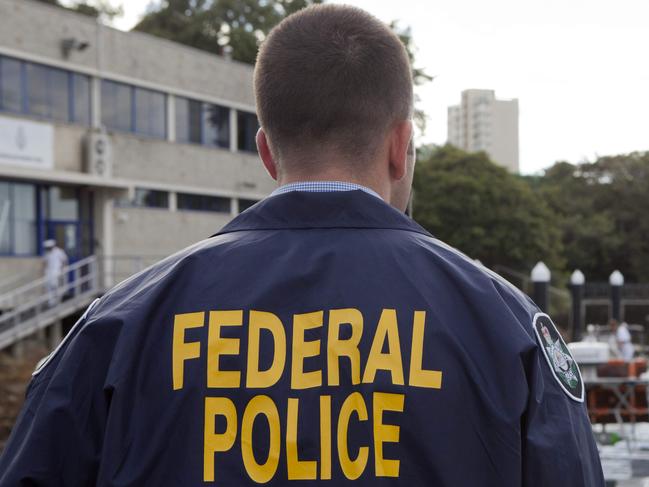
{"x":563,"y":366}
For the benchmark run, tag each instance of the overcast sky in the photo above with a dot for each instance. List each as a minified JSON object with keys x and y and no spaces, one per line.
{"x":578,"y":67}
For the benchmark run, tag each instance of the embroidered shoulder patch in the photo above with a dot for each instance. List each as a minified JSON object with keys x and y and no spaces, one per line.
{"x":558,"y":356}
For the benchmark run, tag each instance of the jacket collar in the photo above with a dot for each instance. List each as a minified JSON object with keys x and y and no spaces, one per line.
{"x":339,"y":209}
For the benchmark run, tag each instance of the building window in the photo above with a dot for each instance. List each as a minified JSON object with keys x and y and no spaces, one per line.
{"x":244,"y":204}
{"x":150,"y":113}
{"x":18,"y":230}
{"x":126,"y":108}
{"x":45,"y":92}
{"x":37,"y":90}
{"x":6,"y":242}
{"x":60,"y":203}
{"x":81,"y":99}
{"x":188,"y":120}
{"x":117,"y":106}
{"x":202,"y":123}
{"x":24,"y":219}
{"x":11,"y":85}
{"x":203,"y":203}
{"x":151,"y":198}
{"x":216,"y":125}
{"x":247,"y":126}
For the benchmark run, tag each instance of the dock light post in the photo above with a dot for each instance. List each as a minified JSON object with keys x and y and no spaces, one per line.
{"x":616,"y":280}
{"x":541,"y":279}
{"x":577,"y":281}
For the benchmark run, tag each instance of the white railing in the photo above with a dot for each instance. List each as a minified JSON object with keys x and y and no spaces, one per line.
{"x":9,"y":284}
{"x":32,"y":306}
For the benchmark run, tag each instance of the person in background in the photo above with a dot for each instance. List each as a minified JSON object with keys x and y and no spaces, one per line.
{"x":623,"y":345}
{"x":591,"y":336}
{"x":54,"y":260}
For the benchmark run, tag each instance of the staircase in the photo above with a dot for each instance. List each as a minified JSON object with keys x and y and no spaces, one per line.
{"x":29,"y":308}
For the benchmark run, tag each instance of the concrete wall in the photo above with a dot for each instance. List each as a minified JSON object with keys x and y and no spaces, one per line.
{"x":152,"y":160}
{"x":68,"y":147}
{"x":505,"y":134}
{"x":454,"y":126}
{"x":38,"y":29}
{"x":158,"y":232}
{"x":176,"y":65}
{"x":18,"y":267}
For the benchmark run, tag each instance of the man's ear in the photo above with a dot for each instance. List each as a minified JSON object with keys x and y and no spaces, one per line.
{"x":400,"y":136}
{"x":265,"y":154}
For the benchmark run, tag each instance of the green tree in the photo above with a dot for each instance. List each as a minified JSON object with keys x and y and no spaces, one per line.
{"x":478,"y":207}
{"x":216,"y":25}
{"x":96,"y":8}
{"x":587,"y":232}
{"x":601,"y":209}
{"x":419,"y":76}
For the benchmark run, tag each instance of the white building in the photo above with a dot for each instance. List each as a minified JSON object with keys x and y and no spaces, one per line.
{"x":483,"y":123}
{"x":121,"y":146}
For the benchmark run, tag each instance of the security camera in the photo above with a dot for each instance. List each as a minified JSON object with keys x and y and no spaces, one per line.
{"x":71,"y":44}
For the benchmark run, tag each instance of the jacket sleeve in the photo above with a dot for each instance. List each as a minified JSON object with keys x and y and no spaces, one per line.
{"x":558,"y":444}
{"x":57,"y":438}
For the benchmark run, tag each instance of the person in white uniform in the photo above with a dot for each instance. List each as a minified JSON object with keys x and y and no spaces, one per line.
{"x":622,"y":340}
{"x":54,"y":261}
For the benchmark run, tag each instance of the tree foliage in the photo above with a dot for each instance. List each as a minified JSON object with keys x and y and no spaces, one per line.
{"x":217,"y":25}
{"x":481,"y":209}
{"x":602,"y":210}
{"x":96,"y":8}
{"x":590,"y":216}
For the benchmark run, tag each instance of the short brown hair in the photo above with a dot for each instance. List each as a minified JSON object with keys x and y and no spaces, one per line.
{"x":334,"y":76}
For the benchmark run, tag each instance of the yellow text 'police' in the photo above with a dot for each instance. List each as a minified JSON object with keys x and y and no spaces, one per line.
{"x":384,"y":355}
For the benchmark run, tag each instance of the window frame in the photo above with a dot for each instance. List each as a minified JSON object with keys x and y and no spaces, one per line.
{"x":180,"y":196}
{"x":241,"y":142}
{"x":69,"y":84}
{"x":201,"y":134}
{"x":133,"y":111}
{"x":133,"y":202}
{"x":11,"y":220}
{"x":21,"y":84}
{"x":203,"y":127}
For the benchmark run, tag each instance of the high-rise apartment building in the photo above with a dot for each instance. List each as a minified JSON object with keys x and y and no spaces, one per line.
{"x":483,"y":123}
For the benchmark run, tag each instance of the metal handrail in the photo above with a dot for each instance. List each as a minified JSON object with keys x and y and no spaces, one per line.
{"x":33,"y":308}
{"x":7,"y":285}
{"x":44,"y":298}
{"x":12,"y":298}
{"x":28,"y":308}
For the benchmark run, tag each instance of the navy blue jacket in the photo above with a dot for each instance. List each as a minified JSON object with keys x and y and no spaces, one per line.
{"x":322,"y":337}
